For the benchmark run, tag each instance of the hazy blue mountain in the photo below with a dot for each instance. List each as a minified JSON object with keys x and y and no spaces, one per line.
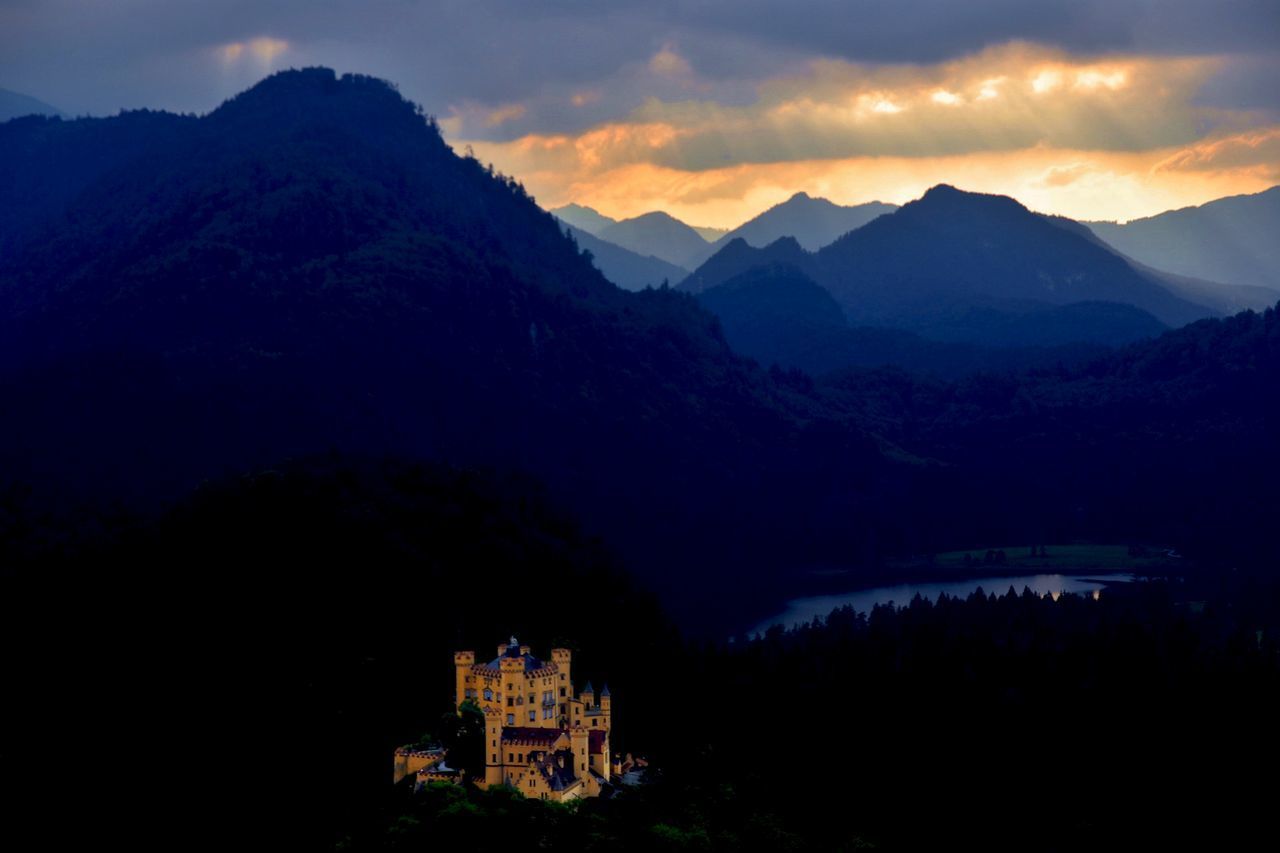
{"x":1221,"y":297}
{"x":778,"y":315}
{"x":583,"y":218}
{"x":813,"y":222}
{"x":964,"y":266}
{"x":15,"y":104}
{"x":1231,"y":240}
{"x":661,"y":235}
{"x":623,"y":267}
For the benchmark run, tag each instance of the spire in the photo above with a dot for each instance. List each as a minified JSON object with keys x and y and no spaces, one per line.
{"x":605,"y":692}
{"x":588,"y":688}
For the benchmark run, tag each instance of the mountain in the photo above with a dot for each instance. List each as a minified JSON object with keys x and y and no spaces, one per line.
{"x":737,"y":257}
{"x":778,"y":315}
{"x":1229,"y":240}
{"x":661,"y":235}
{"x":310,"y":268}
{"x":15,"y":104}
{"x":583,"y":218}
{"x":961,"y":266}
{"x":813,"y":222}
{"x":623,"y":267}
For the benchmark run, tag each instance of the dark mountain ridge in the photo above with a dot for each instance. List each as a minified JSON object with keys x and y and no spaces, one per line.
{"x":309,"y":267}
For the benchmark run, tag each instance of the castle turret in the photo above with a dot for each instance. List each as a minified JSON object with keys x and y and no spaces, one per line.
{"x":606,"y":705}
{"x":588,"y":696}
{"x":462,"y":663}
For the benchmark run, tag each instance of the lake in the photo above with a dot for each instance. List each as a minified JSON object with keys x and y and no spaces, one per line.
{"x":807,"y":609}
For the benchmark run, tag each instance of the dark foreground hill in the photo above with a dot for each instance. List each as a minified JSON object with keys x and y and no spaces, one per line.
{"x":309,"y":267}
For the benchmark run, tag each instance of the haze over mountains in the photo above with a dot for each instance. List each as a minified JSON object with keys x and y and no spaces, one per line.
{"x":15,"y":104}
{"x":1229,"y":240}
{"x":813,"y":222}
{"x":1219,"y":257}
{"x":623,"y":267}
{"x":965,"y":267}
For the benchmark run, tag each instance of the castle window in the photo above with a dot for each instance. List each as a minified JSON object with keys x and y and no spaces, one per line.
{"x":511,"y":758}
{"x":493,"y":759}
{"x":533,"y":716}
{"x":510,"y":701}
{"x":520,"y":758}
{"x":562,"y":691}
{"x":511,"y":719}
{"x":488,"y":694}
{"x":593,"y":723}
{"x":532,"y":698}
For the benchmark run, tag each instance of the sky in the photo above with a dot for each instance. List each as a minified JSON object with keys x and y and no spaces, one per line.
{"x":714,"y":110}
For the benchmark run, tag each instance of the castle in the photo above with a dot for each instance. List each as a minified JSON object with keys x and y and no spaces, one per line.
{"x":541,"y":737}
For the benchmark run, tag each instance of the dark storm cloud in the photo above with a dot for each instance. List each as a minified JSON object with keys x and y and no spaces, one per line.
{"x":99,"y":56}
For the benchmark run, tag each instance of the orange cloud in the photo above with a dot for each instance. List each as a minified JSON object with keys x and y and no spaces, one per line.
{"x":1248,"y":150}
{"x":1104,"y":137}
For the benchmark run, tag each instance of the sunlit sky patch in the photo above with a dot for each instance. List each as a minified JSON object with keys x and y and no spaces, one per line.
{"x":715,"y":109}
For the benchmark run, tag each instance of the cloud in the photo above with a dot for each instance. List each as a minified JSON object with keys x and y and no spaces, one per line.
{"x":262,"y":50}
{"x":669,"y":63}
{"x":1061,"y":176}
{"x":1254,"y":149}
{"x":1003,"y":99}
{"x":726,"y":96}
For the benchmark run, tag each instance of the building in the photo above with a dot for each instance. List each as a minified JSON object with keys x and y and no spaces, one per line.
{"x":542,"y":737}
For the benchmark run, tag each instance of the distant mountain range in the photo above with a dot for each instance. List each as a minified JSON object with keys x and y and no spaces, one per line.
{"x":1221,"y":255}
{"x":623,"y":267}
{"x":15,"y":104}
{"x":813,"y":222}
{"x":1229,"y":240}
{"x":967,"y":267}
{"x":583,"y":218}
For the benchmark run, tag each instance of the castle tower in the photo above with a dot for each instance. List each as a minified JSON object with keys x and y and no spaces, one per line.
{"x":580,"y":739}
{"x":588,"y":696}
{"x":606,"y":707}
{"x":492,"y":746}
{"x":462,"y":663}
{"x":563,"y":660}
